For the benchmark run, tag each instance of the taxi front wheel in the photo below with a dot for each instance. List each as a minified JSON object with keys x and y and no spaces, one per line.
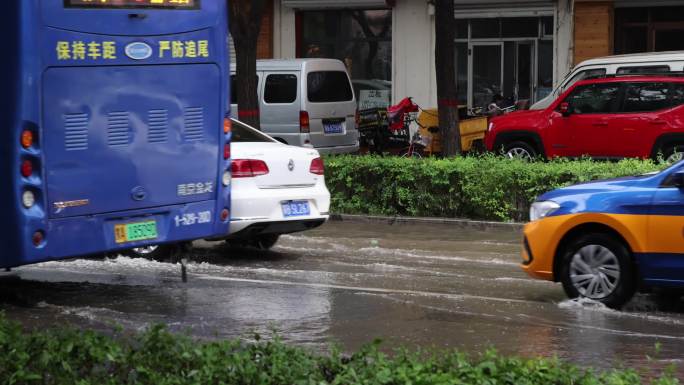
{"x":598,"y":267}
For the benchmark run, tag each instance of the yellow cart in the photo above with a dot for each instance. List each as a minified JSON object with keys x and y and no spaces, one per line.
{"x":472,"y":132}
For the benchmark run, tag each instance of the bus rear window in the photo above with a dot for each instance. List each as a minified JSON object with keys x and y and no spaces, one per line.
{"x":329,"y":86}
{"x":115,"y":4}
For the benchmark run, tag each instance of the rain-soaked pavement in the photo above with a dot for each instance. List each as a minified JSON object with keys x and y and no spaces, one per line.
{"x":348,"y":283}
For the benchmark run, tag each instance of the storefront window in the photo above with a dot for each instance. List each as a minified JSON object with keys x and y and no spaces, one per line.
{"x":362,"y":39}
{"x":512,"y":57}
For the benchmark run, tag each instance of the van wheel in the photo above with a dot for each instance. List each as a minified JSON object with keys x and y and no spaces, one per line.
{"x":520,"y":150}
{"x":598,"y":267}
{"x":673,"y":154}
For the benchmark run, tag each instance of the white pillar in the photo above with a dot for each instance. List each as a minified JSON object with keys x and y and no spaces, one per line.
{"x":563,"y":40}
{"x":284,"y":31}
{"x":413,"y":53}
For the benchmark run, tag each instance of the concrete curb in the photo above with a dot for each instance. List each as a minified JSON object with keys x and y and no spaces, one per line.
{"x":455,"y":222}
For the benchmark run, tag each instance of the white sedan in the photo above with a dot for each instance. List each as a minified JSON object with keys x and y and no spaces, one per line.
{"x":276,"y":189}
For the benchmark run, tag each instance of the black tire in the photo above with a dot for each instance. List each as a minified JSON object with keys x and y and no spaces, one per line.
{"x":260,"y":242}
{"x":624,"y":286}
{"x":670,"y":151}
{"x":520,"y":149}
{"x":159,"y":253}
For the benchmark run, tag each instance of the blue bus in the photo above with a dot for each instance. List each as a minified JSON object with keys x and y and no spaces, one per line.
{"x":113,"y":129}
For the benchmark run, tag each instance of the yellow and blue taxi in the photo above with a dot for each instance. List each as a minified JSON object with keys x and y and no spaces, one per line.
{"x":604,"y":240}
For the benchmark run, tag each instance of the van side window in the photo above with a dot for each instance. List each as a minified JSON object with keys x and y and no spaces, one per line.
{"x":594,"y":98}
{"x":329,"y":86}
{"x":643,"y":70}
{"x":280,"y":89}
{"x":233,"y":87}
{"x":645,"y":97}
{"x":594,"y":73}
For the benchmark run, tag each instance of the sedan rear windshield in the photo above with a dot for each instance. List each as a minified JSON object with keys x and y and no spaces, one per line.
{"x":329,"y":86}
{"x":243,"y":133}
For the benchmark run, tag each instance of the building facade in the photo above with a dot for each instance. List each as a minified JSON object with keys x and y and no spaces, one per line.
{"x":517,"y":48}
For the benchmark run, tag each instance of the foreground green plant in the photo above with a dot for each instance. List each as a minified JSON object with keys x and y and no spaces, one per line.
{"x":486,"y":187}
{"x":67,"y":356}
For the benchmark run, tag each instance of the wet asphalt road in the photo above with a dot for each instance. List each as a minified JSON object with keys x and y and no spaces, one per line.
{"x":348,"y":283}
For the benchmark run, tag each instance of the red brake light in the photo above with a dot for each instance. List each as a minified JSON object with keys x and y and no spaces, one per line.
{"x":248,"y":168}
{"x":26,"y":168}
{"x":304,"y":122}
{"x":226,"y":151}
{"x":26,"y":138}
{"x":317,"y":167}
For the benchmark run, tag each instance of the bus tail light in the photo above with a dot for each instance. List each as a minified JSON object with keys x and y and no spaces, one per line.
{"x":317,"y":167}
{"x":38,"y":238}
{"x":226,"y":151}
{"x":28,"y":199}
{"x":225,"y":214}
{"x":248,"y":168}
{"x":227,"y":126}
{"x":26,"y":168}
{"x":226,"y":178}
{"x":304,"y":122}
{"x":26,"y":138}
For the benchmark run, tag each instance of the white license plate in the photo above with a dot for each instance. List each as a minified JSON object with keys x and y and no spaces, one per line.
{"x":296,"y":209}
{"x":333,"y":128}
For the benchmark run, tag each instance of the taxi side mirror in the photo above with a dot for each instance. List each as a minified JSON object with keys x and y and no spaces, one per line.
{"x":564,"y":109}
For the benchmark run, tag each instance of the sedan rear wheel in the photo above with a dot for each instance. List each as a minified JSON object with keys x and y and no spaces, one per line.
{"x":260,"y":242}
{"x":598,"y":267}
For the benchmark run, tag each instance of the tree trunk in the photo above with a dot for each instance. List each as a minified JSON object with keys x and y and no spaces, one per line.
{"x":445,"y":62}
{"x":245,"y":24}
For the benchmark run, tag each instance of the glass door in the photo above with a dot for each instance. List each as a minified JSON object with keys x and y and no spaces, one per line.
{"x":485,"y":73}
{"x":524,"y":70}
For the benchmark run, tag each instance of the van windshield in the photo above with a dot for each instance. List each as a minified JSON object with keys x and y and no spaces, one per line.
{"x":329,"y":86}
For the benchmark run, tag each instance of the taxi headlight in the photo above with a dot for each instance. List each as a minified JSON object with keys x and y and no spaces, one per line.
{"x":541,"y":209}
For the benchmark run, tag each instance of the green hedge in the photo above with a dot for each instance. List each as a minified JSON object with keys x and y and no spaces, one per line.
{"x":158,"y":357}
{"x":485,"y":187}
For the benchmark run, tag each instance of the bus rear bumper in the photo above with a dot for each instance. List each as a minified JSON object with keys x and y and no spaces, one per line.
{"x":88,"y":235}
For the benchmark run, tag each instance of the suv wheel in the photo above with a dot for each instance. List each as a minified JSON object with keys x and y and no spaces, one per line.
{"x":520,"y":150}
{"x":673,"y":154}
{"x":598,"y":267}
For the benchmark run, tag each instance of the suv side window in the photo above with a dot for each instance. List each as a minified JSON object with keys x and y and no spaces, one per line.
{"x":594,"y":98}
{"x":677,"y":94}
{"x":646,"y":97}
{"x":280,"y":89}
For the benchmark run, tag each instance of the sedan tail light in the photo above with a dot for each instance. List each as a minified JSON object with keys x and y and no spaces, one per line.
{"x":248,"y":168}
{"x":317,"y":167}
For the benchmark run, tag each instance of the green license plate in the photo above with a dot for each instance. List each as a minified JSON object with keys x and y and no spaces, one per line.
{"x":131,"y":232}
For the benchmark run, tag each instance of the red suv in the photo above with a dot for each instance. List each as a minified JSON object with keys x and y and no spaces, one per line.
{"x":603,"y":118}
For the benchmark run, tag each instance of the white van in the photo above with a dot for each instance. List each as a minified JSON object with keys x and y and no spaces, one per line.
{"x":305,"y":102}
{"x":633,"y":64}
